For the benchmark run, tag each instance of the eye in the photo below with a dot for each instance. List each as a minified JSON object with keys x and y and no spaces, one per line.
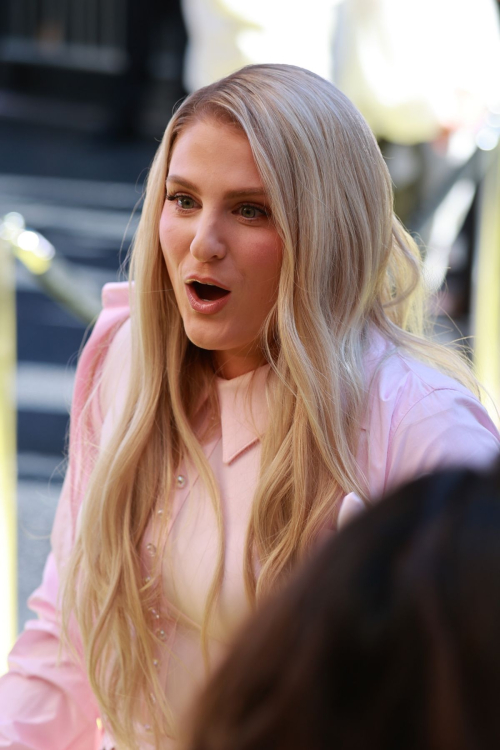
{"x":251,"y":212}
{"x":184,"y":202}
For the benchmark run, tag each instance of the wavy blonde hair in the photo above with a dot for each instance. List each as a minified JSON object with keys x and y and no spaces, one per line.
{"x":348,"y":267}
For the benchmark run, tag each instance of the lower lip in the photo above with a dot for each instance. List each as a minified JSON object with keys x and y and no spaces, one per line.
{"x":206,"y":307}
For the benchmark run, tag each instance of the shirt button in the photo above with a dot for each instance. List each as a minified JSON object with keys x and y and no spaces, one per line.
{"x":151,"y":549}
{"x":180,"y":481}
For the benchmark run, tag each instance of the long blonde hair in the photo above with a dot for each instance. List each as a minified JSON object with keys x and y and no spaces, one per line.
{"x":348,"y":267}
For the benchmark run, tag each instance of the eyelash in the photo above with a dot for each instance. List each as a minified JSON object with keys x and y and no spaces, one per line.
{"x":263,"y":213}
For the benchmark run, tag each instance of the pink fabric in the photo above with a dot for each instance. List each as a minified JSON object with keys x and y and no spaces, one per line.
{"x":45,"y":703}
{"x":417,"y":420}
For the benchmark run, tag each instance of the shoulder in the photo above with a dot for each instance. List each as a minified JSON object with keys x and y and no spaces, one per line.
{"x":106,"y":343}
{"x":115,"y":311}
{"x":399,"y":383}
{"x":102,"y":355}
{"x":421,"y":419}
{"x":116,"y":295}
{"x":116,"y":327}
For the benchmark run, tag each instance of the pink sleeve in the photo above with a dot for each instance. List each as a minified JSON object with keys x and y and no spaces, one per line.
{"x":46,"y":704}
{"x":444,"y":428}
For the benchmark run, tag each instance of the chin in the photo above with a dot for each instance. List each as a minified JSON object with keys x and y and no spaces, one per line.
{"x":204,"y":339}
{"x":214,"y":341}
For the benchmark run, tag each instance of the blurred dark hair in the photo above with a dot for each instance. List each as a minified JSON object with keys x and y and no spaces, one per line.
{"x":388,"y":639}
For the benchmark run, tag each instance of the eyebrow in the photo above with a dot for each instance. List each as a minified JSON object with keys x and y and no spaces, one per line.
{"x":230,"y":193}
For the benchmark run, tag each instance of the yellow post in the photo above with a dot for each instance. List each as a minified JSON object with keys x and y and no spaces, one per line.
{"x":8,"y":516}
{"x":486,"y":307}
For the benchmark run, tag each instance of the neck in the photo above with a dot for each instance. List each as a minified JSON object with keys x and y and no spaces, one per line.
{"x":229,"y":365}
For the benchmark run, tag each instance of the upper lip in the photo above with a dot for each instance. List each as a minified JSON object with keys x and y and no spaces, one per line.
{"x":205,"y":280}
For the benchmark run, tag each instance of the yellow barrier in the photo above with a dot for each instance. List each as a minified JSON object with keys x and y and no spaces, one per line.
{"x":8,"y":524}
{"x":486,"y":305}
{"x":38,"y":256}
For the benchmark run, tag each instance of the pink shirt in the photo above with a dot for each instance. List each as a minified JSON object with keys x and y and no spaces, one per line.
{"x":417,"y":420}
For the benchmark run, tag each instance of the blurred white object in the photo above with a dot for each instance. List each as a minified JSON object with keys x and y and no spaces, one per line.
{"x":419,"y":69}
{"x":446,"y":223}
{"x":352,"y":506}
{"x":34,"y":250}
{"x":416,"y":70}
{"x":224,"y":35}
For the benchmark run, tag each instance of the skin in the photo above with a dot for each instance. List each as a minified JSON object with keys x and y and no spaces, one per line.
{"x":209,"y":232}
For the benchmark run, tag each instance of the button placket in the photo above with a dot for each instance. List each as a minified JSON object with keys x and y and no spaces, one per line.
{"x":179,"y":495}
{"x":180,"y":492}
{"x":183,"y":487}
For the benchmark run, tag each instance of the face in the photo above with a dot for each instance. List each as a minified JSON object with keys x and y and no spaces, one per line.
{"x":221,"y":248}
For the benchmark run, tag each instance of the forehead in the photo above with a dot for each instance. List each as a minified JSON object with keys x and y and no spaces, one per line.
{"x":209,"y":148}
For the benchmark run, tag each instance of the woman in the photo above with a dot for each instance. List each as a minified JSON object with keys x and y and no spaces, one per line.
{"x":268,"y":361}
{"x":393,"y":632}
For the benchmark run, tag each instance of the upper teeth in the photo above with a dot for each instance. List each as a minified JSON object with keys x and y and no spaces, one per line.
{"x":205,"y":283}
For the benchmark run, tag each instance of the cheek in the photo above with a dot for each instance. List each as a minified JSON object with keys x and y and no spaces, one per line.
{"x":171,"y":245}
{"x":266,"y":266}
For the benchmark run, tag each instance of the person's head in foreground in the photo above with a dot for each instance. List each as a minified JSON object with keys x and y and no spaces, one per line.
{"x":387,"y":639}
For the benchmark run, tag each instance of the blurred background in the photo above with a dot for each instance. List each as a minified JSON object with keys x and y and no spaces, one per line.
{"x":86,"y":89}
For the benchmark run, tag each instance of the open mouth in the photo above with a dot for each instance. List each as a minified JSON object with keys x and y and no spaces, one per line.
{"x":208,"y":292}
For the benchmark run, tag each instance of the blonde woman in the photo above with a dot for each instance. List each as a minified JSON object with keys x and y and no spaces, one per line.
{"x":267,"y":361}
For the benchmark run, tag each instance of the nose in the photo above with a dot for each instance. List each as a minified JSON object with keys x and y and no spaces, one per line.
{"x":208,"y":243}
